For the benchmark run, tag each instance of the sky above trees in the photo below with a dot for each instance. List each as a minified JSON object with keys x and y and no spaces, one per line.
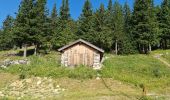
{"x":9,"y":7}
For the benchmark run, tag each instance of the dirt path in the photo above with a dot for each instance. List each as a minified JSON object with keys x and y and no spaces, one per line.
{"x":158,"y":56}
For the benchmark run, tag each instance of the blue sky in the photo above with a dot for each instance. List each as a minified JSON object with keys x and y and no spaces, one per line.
{"x":9,"y":7}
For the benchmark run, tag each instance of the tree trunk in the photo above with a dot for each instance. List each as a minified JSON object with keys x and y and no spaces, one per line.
{"x":143,"y":49}
{"x":165,"y":43}
{"x":116,"y":47}
{"x":150,"y":47}
{"x":35,"y":50}
{"x":25,"y":51}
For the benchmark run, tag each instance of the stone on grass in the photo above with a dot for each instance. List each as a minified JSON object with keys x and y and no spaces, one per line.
{"x":35,"y":88}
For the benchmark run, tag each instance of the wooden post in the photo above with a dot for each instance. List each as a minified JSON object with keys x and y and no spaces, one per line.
{"x":150,"y":47}
{"x":35,"y":50}
{"x":116,"y":47}
{"x":25,"y":51}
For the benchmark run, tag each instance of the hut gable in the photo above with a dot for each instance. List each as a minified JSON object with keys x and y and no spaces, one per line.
{"x":81,"y":52}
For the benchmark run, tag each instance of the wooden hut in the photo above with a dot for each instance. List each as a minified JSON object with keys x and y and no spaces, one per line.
{"x":81,"y":52}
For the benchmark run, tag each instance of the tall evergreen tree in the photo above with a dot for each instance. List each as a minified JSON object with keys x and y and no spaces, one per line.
{"x":66,"y":26}
{"x":7,"y":36}
{"x":65,"y":10}
{"x":102,"y":33}
{"x":141,"y":27}
{"x":153,"y":33}
{"x":54,"y":25}
{"x":164,"y":23}
{"x":127,"y":45}
{"x":118,"y":25}
{"x":43,"y":32}
{"x":110,"y":5}
{"x":22,"y":25}
{"x":127,"y":18}
{"x":86,"y":22}
{"x":54,"y":14}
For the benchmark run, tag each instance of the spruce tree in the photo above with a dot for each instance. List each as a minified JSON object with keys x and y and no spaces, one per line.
{"x":164,"y":23}
{"x":22,"y":25}
{"x":102,"y":33}
{"x":110,"y":5}
{"x":86,"y":22}
{"x":128,"y":45}
{"x":7,"y":36}
{"x":54,"y":14}
{"x":43,"y":31}
{"x":141,"y":26}
{"x":65,"y":32}
{"x":118,"y":25}
{"x":153,"y":33}
{"x":54,"y":25}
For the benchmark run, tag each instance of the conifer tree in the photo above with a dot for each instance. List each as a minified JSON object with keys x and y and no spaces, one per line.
{"x":86,"y":22}
{"x":141,"y":27}
{"x":102,"y":34}
{"x":7,"y":36}
{"x":118,"y":25}
{"x":128,"y":45}
{"x":164,"y":23}
{"x":110,"y":5}
{"x":153,"y":26}
{"x":66,"y":26}
{"x":22,"y":25}
{"x":43,"y":32}
{"x":54,"y":25}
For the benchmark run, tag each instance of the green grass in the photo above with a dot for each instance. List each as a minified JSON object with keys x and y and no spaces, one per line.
{"x":49,"y":66}
{"x":166,"y":54}
{"x":137,"y":70}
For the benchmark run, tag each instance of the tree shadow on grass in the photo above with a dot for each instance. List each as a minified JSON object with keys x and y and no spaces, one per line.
{"x":29,"y":52}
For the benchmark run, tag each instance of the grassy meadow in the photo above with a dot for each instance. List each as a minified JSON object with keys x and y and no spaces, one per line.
{"x":122,"y":76}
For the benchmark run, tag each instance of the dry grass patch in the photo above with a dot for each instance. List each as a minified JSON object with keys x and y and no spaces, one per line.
{"x":97,"y":90}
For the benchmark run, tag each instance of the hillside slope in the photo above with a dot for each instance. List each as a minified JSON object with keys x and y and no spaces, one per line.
{"x":123,"y":76}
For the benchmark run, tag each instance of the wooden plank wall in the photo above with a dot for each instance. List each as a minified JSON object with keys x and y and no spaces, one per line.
{"x":79,"y":54}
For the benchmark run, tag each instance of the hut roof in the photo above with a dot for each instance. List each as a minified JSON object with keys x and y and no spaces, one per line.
{"x":81,"y":41}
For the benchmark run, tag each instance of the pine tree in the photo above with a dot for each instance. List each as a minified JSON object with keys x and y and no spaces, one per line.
{"x":118,"y":25}
{"x":128,"y":45}
{"x":127,"y":18}
{"x":65,"y":10}
{"x":102,"y":33}
{"x":164,"y":23}
{"x":43,"y":32}
{"x":54,"y":25}
{"x":22,"y":25}
{"x":110,"y":5}
{"x":54,"y":14}
{"x":86,"y":22}
{"x":7,"y":36}
{"x":141,"y":27}
{"x":66,"y":26}
{"x":153,"y":27}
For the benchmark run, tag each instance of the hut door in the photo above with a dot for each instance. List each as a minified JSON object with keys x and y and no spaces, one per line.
{"x":75,"y":59}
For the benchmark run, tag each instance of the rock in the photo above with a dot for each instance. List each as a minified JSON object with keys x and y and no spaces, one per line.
{"x":3,"y":66}
{"x":57,"y":86}
{"x":9,"y":62}
{"x":28,"y":81}
{"x":36,"y":88}
{"x":63,"y":89}
{"x":39,"y":82}
{"x":1,"y":94}
{"x":97,"y":78}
